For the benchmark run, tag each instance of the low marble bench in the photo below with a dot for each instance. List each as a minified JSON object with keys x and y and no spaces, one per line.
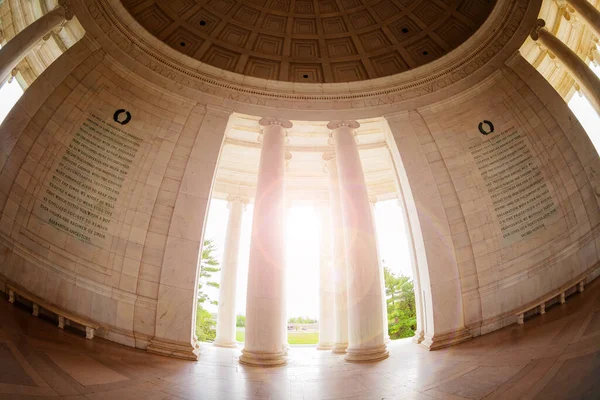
{"x":63,"y":315}
{"x":540,"y":304}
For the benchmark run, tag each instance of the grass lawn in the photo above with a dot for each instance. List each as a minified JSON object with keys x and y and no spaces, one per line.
{"x":293,"y":337}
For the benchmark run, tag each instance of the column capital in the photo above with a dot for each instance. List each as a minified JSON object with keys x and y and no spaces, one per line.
{"x":65,"y":4}
{"x":328,"y":155}
{"x":333,"y":125}
{"x":535,"y":31}
{"x":239,"y":198}
{"x":267,"y":121}
{"x":13,"y":74}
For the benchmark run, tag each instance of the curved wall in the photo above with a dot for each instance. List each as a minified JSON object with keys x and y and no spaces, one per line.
{"x":461,"y":248}
{"x":132,"y":265}
{"x":99,"y":250}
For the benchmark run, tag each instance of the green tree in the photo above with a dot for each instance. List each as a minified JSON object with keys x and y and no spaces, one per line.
{"x":240,"y":320}
{"x":208,"y":266}
{"x":205,"y":323}
{"x":302,"y":320}
{"x":400,"y":298}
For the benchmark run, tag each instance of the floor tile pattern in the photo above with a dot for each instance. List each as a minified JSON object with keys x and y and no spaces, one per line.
{"x":554,"y":356}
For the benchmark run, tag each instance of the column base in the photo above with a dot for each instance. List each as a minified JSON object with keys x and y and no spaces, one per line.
{"x":225,"y":344}
{"x":339,"y":348}
{"x":183,"y":350}
{"x":367,"y":355}
{"x":446,"y":340}
{"x":418,"y":338}
{"x":256,"y":359}
{"x":325,"y":346}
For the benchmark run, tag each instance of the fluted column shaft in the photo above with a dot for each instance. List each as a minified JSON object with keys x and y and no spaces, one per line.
{"x":19,"y":46}
{"x":326,"y":293}
{"x":284,"y":316}
{"x":580,"y":71}
{"x":229,"y":269}
{"x":365,"y":319}
{"x":386,"y":335}
{"x":588,"y":13}
{"x":340,"y":290}
{"x":266,"y":269}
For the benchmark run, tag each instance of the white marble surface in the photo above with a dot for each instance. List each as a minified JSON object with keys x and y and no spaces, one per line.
{"x":265,"y":310}
{"x":226,"y":312}
{"x":340,"y":288}
{"x":365,"y":319}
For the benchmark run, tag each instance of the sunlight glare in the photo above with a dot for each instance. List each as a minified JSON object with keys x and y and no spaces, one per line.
{"x":303,"y":239}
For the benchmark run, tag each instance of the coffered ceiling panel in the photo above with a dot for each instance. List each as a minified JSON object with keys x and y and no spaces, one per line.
{"x":312,"y":40}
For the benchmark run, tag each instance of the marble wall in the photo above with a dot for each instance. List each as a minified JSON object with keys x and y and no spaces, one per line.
{"x":140,"y":260}
{"x":488,"y":243}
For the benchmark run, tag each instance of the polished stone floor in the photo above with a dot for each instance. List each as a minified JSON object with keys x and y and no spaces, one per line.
{"x":554,"y":356}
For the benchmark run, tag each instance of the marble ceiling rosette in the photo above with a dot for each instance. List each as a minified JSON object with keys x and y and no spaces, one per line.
{"x":110,"y":24}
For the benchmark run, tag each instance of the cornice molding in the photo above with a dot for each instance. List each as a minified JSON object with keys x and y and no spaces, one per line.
{"x":303,"y":149}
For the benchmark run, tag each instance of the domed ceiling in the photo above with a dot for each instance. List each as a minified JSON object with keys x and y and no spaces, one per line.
{"x":312,"y":40}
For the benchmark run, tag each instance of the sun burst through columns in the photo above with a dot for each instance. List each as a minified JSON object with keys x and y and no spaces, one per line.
{"x":265,"y":298}
{"x":365,"y":320}
{"x":340,"y":292}
{"x":326,"y":293}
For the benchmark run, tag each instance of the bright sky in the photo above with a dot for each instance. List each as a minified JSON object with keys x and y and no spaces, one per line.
{"x":303,"y":230}
{"x":302,"y":240}
{"x":586,"y":114}
{"x":9,"y":94}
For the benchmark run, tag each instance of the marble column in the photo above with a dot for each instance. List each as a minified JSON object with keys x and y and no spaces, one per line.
{"x":366,"y":340}
{"x":581,"y":72}
{"x":284,"y":316}
{"x":266,"y":269}
{"x":19,"y":46}
{"x":338,"y":259}
{"x":226,"y":316}
{"x":588,"y":13}
{"x":386,"y":335}
{"x":326,"y":293}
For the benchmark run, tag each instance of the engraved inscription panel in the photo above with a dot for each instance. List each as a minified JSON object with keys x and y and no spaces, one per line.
{"x":82,"y":191}
{"x":520,"y":196}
